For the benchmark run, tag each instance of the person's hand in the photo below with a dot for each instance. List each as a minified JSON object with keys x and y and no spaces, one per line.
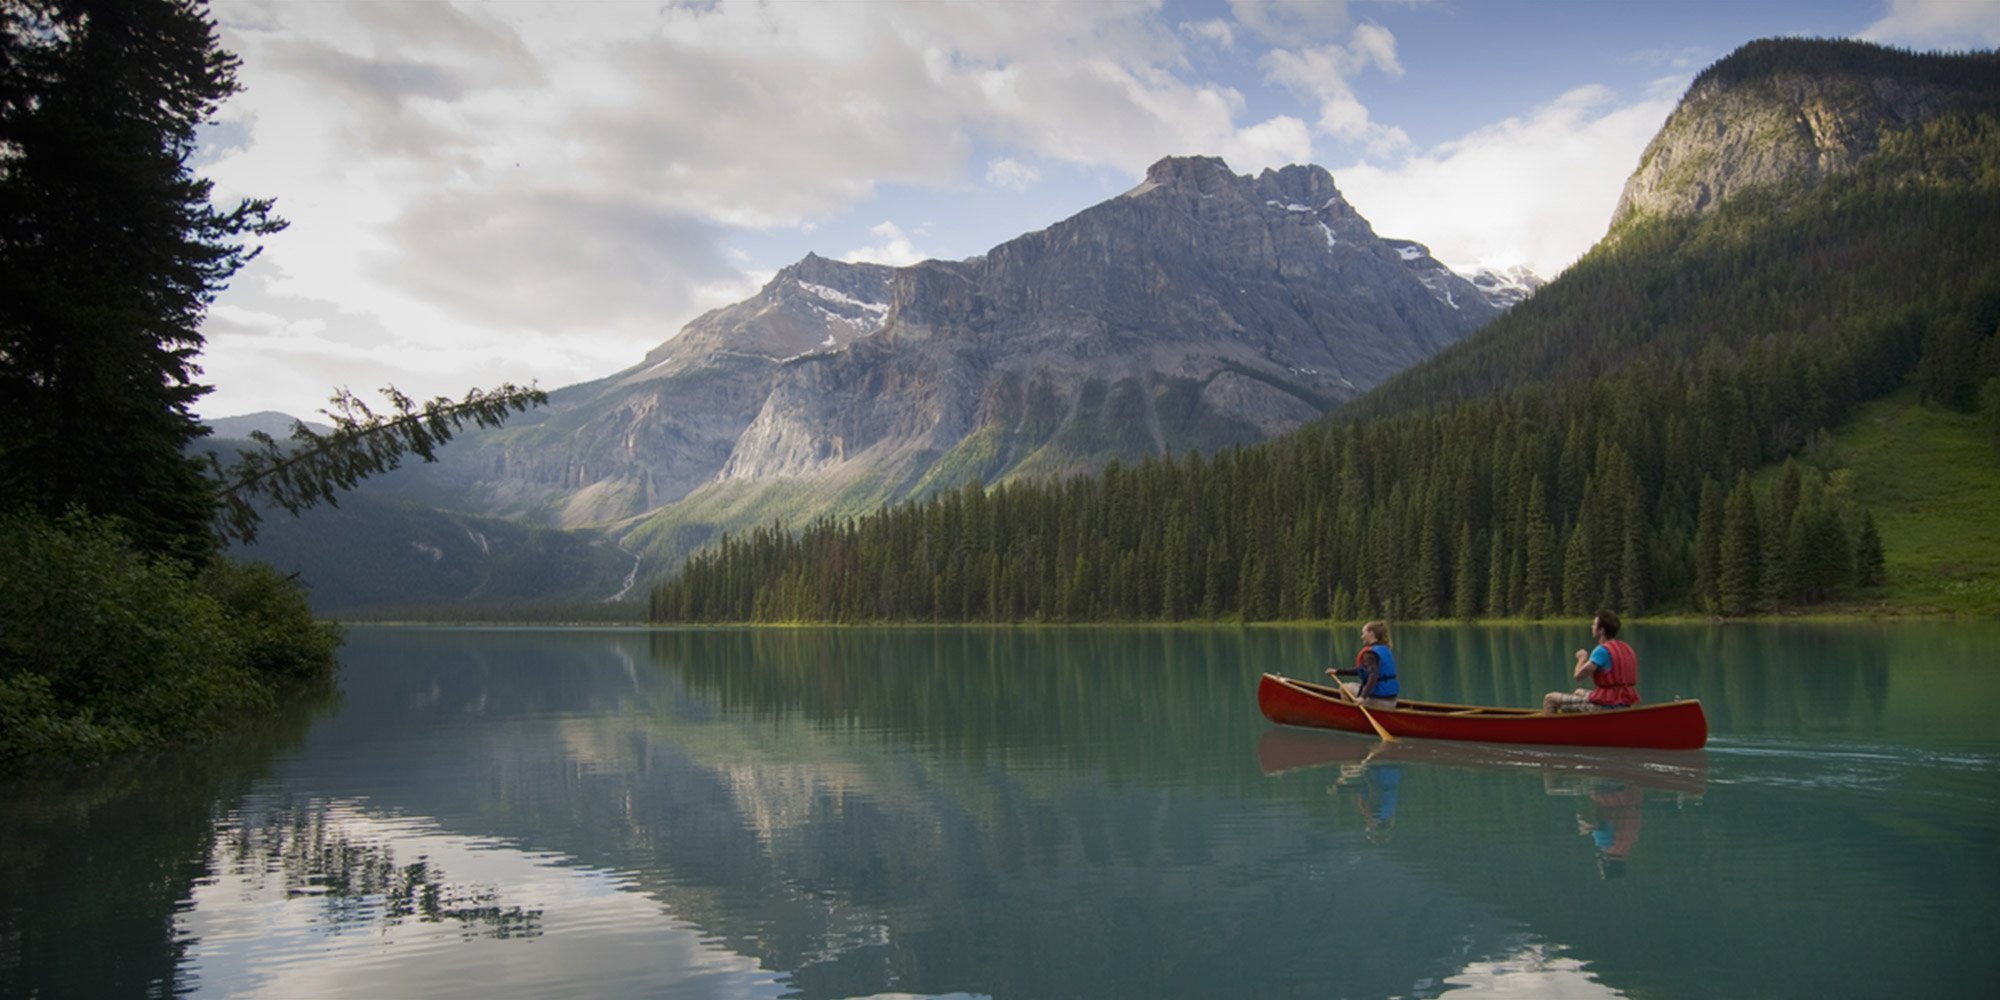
{"x":1582,"y":655}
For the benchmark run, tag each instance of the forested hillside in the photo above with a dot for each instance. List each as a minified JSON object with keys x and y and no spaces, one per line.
{"x":1597,"y":446}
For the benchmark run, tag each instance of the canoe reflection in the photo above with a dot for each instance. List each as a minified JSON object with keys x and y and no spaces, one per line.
{"x":1285,"y":748}
{"x":1610,"y":785}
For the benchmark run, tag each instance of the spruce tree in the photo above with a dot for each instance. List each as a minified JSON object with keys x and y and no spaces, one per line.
{"x":1737,"y":570}
{"x":110,"y":254}
{"x":1868,"y":566}
{"x":1538,"y":577}
{"x":1496,"y":577}
{"x":1708,"y":545}
{"x":1465,"y":584}
{"x":1579,"y":584}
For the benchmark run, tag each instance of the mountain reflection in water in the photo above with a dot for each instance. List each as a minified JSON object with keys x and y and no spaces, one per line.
{"x":850,"y":812}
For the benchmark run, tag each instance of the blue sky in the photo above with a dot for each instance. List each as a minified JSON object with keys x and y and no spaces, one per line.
{"x":523,"y":191}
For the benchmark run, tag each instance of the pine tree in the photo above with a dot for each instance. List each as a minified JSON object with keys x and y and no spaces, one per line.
{"x":1633,"y":571}
{"x":1496,"y":577}
{"x":1428,"y":598}
{"x":1737,"y":570}
{"x":1579,"y":584}
{"x":1708,"y":545}
{"x":110,"y":254}
{"x":1465,"y":588}
{"x":1538,"y":578}
{"x":1868,"y":564}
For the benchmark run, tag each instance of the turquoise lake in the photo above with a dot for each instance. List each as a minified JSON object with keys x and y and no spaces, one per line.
{"x":1032,"y":813}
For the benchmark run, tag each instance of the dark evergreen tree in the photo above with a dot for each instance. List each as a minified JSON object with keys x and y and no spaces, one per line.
{"x":1708,"y":546}
{"x":1465,"y":582}
{"x":1737,"y":572}
{"x":1579,"y":586}
{"x":1539,"y":576}
{"x":110,"y":254}
{"x":1868,"y":561}
{"x":1633,"y":567}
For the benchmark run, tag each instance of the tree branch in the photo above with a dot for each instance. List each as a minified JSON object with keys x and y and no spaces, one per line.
{"x":362,"y":443}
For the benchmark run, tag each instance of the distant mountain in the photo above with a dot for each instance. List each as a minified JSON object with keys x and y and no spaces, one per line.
{"x":1813,"y":230}
{"x":278,"y":425}
{"x":1786,"y":114}
{"x":1507,"y":288}
{"x":374,"y":555}
{"x":1198,"y":310}
{"x":1728,"y":216}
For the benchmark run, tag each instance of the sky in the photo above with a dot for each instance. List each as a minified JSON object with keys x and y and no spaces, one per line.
{"x":541,"y":192}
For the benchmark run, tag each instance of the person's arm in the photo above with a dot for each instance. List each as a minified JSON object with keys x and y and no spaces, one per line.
{"x":1596,"y":659}
{"x":1371,"y":671}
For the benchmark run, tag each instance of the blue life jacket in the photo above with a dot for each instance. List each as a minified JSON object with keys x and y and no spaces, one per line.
{"x":1385,"y":674}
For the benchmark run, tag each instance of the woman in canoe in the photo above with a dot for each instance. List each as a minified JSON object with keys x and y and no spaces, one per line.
{"x":1375,"y":665}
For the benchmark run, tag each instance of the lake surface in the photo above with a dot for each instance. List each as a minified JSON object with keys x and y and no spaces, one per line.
{"x":1032,"y":813}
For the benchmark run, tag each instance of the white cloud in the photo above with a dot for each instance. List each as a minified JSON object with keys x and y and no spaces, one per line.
{"x":1291,"y":20}
{"x":485,"y":181}
{"x":1012,"y":174}
{"x":1324,"y":74}
{"x":1938,"y":24}
{"x":1273,"y":142}
{"x":1215,"y":32}
{"x":546,"y":190}
{"x":895,"y":248}
{"x":1537,"y":190}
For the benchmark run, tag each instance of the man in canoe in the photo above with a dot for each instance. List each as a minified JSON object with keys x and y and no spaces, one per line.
{"x":1613,"y":669}
{"x":1375,"y":666}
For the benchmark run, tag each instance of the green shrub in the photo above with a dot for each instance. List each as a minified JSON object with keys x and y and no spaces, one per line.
{"x":103,"y":649}
{"x":280,"y":639}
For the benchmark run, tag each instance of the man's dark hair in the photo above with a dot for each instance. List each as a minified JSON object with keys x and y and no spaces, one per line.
{"x":1608,"y":619}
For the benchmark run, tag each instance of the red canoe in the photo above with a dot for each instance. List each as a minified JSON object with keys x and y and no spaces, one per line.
{"x":1673,"y":725}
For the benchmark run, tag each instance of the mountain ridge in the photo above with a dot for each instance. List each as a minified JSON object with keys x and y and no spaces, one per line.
{"x":1647,"y":433}
{"x":1788,"y":109}
{"x":1197,"y":310}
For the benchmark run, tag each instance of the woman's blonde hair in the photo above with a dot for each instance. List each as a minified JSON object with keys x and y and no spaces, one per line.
{"x":1378,"y":629}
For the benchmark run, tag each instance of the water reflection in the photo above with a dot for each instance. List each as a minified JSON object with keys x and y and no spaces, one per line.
{"x":1375,"y":788}
{"x":1610,"y":785}
{"x":335,"y":899}
{"x":329,"y":852}
{"x":846,"y":812}
{"x":1562,"y":770}
{"x":97,"y":864}
{"x":1612,"y":822}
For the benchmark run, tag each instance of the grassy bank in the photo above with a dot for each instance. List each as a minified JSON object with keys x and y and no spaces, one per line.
{"x":1932,"y":479}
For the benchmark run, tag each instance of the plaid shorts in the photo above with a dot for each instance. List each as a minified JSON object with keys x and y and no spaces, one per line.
{"x":1577,"y":701}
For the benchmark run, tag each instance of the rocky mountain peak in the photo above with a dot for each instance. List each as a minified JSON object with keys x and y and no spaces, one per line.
{"x":1192,"y":174}
{"x":1203,"y":309}
{"x":1793,"y":111}
{"x":814,"y":304}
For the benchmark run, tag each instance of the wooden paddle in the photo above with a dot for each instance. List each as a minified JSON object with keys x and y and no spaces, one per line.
{"x":1356,"y":702}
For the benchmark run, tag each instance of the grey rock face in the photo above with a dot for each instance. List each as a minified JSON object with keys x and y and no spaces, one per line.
{"x":1199,"y":309}
{"x":1789,"y":111}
